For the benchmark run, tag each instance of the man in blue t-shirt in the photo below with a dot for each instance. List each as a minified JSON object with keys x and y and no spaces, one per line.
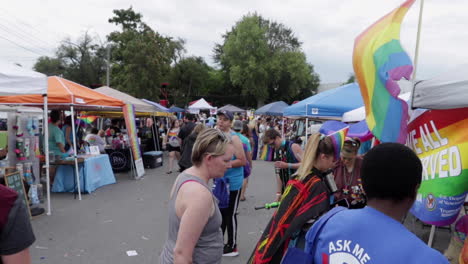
{"x":391,"y":175}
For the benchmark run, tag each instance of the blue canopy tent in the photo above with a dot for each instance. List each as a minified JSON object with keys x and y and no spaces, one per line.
{"x":331,"y":104}
{"x":175,"y":109}
{"x":159,"y":106}
{"x":273,"y":109}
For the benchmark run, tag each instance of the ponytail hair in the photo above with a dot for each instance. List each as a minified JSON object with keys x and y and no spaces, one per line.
{"x":316,"y":145}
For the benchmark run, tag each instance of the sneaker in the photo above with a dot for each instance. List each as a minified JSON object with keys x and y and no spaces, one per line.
{"x":230,"y":251}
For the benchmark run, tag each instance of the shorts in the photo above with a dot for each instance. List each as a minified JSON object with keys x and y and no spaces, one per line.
{"x":170,"y":148}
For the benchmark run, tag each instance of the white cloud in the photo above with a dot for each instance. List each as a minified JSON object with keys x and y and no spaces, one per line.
{"x":326,"y":28}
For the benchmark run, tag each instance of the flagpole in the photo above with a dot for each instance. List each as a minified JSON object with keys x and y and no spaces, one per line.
{"x":416,"y":57}
{"x":416,"y":53}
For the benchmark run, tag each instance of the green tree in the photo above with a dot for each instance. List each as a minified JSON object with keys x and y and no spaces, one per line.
{"x":188,"y":79}
{"x":263,"y":60}
{"x":49,"y":66}
{"x":82,"y":61}
{"x":351,"y":78}
{"x":141,"y":58}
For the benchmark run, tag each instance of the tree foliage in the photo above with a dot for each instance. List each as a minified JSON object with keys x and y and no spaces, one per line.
{"x":188,"y":79}
{"x":263,"y":59}
{"x":141,"y":57}
{"x":351,"y":78}
{"x":82,"y":61}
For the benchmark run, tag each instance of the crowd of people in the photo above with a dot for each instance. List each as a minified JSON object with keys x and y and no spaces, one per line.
{"x":311,"y":183}
{"x":316,"y":194}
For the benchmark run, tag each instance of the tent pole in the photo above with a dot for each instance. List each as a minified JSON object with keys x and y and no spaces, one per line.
{"x":282,"y":130}
{"x":75,"y":154}
{"x":431,"y":236}
{"x":155,"y":135}
{"x":306,"y":130}
{"x":416,"y":53}
{"x":45,"y":126}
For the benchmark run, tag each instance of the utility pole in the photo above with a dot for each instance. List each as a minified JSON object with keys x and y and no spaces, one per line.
{"x":108,"y":66}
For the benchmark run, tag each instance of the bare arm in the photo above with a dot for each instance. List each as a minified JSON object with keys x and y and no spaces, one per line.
{"x":67,"y":136}
{"x":297,"y":151}
{"x":195,"y":205}
{"x":62,"y":147}
{"x":22,"y":257}
{"x":240,"y":160}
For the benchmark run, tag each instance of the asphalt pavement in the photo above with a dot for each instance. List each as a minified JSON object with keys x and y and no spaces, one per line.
{"x":130,"y":217}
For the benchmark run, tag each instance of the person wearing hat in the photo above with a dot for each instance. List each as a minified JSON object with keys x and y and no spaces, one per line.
{"x":348,"y":175}
{"x":237,"y":127}
{"x":235,"y":177}
{"x":288,"y":158}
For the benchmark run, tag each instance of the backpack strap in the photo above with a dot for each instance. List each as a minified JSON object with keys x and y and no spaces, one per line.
{"x":299,"y":256}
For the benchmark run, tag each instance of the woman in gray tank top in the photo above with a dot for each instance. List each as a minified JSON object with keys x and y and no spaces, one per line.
{"x":194,"y":233}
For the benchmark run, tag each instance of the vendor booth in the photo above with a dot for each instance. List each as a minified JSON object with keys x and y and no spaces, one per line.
{"x":67,"y":95}
{"x":122,"y":158}
{"x":17,"y":81}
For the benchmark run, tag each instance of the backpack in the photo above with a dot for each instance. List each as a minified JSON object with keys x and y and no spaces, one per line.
{"x":221,"y":192}
{"x":299,"y":256}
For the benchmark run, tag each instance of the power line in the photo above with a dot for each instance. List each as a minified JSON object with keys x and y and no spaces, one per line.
{"x":18,"y":21}
{"x":28,"y":40}
{"x":21,"y":46}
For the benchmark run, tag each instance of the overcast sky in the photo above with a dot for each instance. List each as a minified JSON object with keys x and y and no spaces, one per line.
{"x":327,"y":28}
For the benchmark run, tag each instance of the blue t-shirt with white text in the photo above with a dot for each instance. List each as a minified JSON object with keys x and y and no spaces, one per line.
{"x":366,"y":236}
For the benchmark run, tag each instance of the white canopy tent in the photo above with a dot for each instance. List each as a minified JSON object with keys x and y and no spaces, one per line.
{"x":201,"y":104}
{"x":140,"y":106}
{"x":446,"y":91}
{"x":16,"y":80}
{"x":359,"y":114}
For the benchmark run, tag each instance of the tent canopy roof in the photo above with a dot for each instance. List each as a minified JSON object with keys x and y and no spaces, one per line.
{"x":140,"y":106}
{"x":175,"y":109}
{"x":15,"y":80}
{"x":447,"y":91}
{"x":201,"y":104}
{"x":232,"y":108}
{"x":158,"y":106}
{"x":63,"y":93}
{"x":329,"y":104}
{"x":274,"y":109}
{"x":359,"y":114}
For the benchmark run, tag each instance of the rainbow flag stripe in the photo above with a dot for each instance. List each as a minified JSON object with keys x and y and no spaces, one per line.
{"x":129,"y":114}
{"x":379,"y":61}
{"x":338,"y":139}
{"x":439,"y":138}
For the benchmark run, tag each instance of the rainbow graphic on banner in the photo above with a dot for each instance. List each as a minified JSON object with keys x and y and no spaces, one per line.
{"x":439,"y":138}
{"x":129,"y":114}
{"x":379,"y":61}
{"x":338,"y":139}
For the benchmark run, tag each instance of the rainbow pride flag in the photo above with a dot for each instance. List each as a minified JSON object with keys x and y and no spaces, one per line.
{"x":87,"y":119}
{"x":338,"y":139}
{"x":379,"y":61}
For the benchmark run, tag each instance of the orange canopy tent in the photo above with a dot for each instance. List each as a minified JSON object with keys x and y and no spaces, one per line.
{"x":62,"y":92}
{"x":65,"y":94}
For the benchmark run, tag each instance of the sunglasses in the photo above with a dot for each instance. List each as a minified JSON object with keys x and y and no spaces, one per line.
{"x":351,"y":142}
